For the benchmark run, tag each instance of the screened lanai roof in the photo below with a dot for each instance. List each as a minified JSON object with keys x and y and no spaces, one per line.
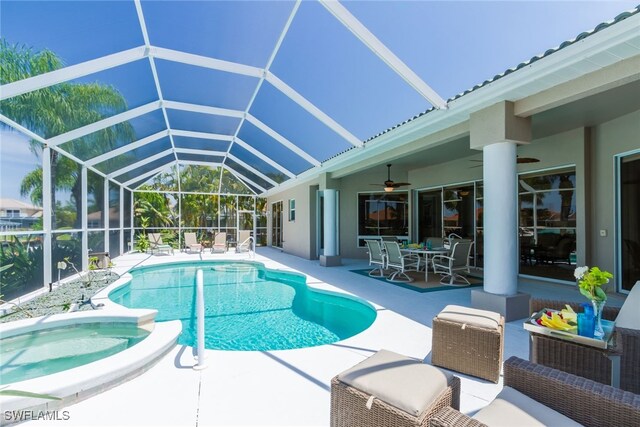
{"x":265,"y":90}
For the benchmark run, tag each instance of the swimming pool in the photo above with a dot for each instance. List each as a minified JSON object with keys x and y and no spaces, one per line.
{"x":44,"y":352}
{"x":247,"y":306}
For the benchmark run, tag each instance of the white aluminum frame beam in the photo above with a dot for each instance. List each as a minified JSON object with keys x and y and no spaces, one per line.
{"x":204,"y":61}
{"x":202,"y":135}
{"x":204,"y":109}
{"x":126,"y":148}
{"x":262,"y":156}
{"x":43,"y":141}
{"x":252,"y":169}
{"x":282,"y":140}
{"x":154,"y":72}
{"x":150,"y":173}
{"x":71,"y":72}
{"x":313,"y":110}
{"x":140,"y":163}
{"x":199,"y":163}
{"x":272,"y":57}
{"x":245,"y":179}
{"x":198,"y":151}
{"x":384,"y":53}
{"x":103,"y":124}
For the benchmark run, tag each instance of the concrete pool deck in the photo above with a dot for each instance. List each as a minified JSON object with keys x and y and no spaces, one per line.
{"x":289,"y":387}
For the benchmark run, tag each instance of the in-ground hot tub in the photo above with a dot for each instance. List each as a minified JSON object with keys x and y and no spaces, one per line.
{"x":76,"y":355}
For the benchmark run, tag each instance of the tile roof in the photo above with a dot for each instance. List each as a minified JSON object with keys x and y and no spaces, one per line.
{"x":547,"y":53}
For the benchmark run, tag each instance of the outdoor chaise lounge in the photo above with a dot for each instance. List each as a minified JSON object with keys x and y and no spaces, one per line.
{"x":219,"y":243}
{"x":535,"y":395}
{"x":191,"y":242}
{"x":590,"y":362}
{"x":245,"y":241}
{"x":157,"y":246}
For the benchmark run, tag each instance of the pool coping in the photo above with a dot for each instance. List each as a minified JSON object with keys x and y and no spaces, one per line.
{"x":79,"y":383}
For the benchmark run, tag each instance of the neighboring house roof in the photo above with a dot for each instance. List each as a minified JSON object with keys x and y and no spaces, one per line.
{"x":17,"y":204}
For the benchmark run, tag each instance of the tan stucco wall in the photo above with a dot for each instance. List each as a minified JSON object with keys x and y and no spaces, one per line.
{"x":611,"y":138}
{"x":296,"y":235}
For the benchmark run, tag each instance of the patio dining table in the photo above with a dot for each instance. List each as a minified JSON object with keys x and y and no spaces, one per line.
{"x":426,"y":252}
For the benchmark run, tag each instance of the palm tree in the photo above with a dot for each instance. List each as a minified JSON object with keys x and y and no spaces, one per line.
{"x":56,"y":110}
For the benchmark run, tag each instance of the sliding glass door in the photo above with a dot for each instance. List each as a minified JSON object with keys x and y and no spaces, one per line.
{"x":629,"y":216}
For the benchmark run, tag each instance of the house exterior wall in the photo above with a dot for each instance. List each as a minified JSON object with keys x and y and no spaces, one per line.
{"x":609,"y":139}
{"x":296,"y":235}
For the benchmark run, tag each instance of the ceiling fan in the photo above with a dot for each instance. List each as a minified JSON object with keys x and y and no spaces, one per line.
{"x":519,"y":160}
{"x":389,"y":185}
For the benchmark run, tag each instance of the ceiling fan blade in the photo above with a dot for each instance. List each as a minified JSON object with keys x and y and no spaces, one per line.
{"x":527,"y":160}
{"x":400,"y":184}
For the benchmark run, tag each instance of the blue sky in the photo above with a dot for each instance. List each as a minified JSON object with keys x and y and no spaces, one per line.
{"x":451,"y":45}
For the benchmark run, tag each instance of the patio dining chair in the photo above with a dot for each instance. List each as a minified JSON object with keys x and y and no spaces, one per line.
{"x":191,"y":242}
{"x":449,"y":265}
{"x":219,"y":243}
{"x":376,"y":258}
{"x":400,"y":263}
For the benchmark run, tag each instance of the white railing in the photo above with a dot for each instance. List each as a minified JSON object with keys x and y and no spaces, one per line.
{"x":200,"y":321}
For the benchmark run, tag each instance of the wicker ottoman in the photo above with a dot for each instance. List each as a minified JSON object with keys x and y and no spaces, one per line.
{"x":389,"y":389}
{"x":469,"y":341}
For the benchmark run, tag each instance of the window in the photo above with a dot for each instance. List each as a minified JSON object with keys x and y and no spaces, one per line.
{"x":383,"y":214}
{"x":292,"y":210}
{"x":13,"y":213}
{"x":547,"y":230}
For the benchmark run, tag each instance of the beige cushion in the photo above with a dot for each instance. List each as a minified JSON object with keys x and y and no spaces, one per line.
{"x":400,"y":381}
{"x":629,"y":315}
{"x":470,"y":316}
{"x":512,"y":408}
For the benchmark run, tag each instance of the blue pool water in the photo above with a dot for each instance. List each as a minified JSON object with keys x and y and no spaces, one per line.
{"x":48,"y":351}
{"x":247,"y":307}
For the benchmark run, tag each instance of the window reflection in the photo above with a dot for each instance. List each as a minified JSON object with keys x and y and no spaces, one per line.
{"x":381,"y":214}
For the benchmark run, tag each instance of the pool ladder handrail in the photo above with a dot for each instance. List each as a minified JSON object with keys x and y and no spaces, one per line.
{"x":200,"y":351}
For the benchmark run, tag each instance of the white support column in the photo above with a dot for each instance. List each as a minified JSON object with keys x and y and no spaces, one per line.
{"x":105,"y":215}
{"x":500,"y":219}
{"x":497,"y":132}
{"x":121,"y":217}
{"x":330,"y":257}
{"x":47,"y":211}
{"x":84,"y":220}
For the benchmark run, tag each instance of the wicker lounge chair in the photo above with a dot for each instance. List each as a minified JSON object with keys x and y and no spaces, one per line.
{"x":590,"y":362}
{"x":539,"y":391}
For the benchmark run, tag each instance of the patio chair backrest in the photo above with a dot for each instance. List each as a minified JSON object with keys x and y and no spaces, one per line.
{"x":389,"y":239}
{"x":375,"y":251}
{"x":221,"y":238}
{"x":190,"y":239}
{"x":243,"y":235}
{"x":460,"y":252}
{"x":394,"y":256}
{"x":436,"y":242}
{"x":155,"y":239}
